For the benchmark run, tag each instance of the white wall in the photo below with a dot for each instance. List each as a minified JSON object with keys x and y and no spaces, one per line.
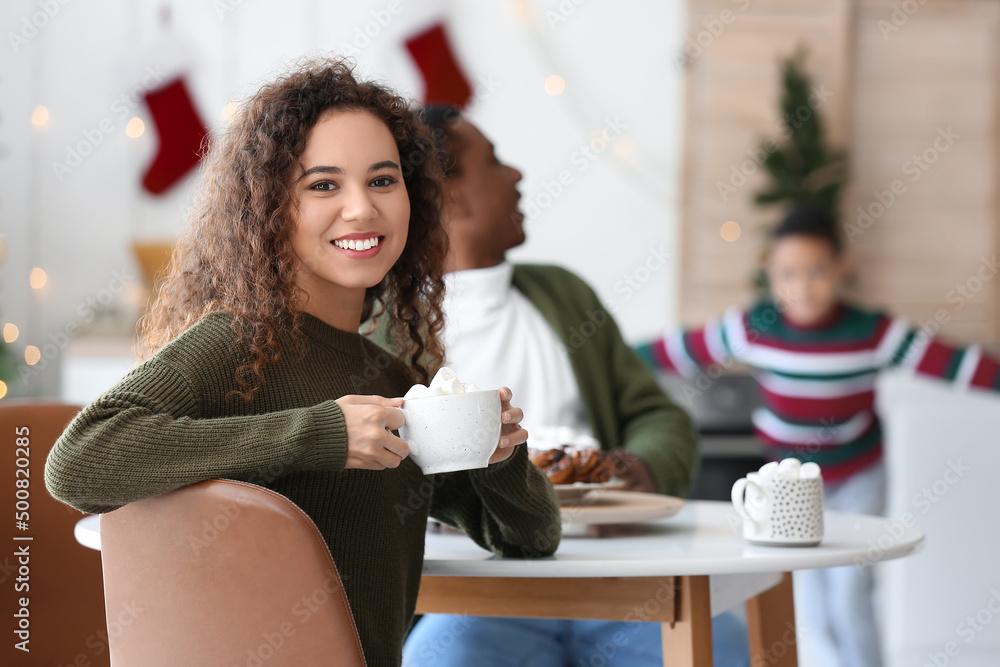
{"x":613,"y":216}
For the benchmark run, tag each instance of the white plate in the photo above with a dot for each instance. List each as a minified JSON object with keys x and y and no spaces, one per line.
{"x":568,"y":493}
{"x":605,"y":506}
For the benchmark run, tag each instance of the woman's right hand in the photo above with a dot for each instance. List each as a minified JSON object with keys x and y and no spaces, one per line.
{"x":369,"y":419}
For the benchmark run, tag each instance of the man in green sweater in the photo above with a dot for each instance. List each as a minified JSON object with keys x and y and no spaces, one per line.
{"x":546,"y":332}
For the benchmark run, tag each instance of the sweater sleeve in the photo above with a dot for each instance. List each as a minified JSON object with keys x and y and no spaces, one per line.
{"x":654,"y":428}
{"x":686,"y":352}
{"x":144,"y":437}
{"x":965,"y":367}
{"x":508,"y":508}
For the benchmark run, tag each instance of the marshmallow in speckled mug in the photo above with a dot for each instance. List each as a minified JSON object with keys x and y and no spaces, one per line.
{"x":781,"y":504}
{"x":450,"y":425}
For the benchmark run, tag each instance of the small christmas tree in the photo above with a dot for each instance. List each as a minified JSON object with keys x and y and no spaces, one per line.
{"x":803,"y":169}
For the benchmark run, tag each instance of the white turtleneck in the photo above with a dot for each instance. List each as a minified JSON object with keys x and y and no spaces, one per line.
{"x":495,"y":337}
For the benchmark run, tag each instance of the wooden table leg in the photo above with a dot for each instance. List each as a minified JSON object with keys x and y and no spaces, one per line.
{"x":771,"y":626}
{"x":688,"y":640}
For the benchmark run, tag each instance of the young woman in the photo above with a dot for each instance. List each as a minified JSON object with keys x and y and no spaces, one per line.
{"x":321,"y":201}
{"x":816,"y":358}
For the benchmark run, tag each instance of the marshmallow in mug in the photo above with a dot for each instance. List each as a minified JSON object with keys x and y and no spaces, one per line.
{"x":444,"y":383}
{"x":789,"y":469}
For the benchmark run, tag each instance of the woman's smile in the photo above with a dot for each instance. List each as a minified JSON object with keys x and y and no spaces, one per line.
{"x":359,"y":246}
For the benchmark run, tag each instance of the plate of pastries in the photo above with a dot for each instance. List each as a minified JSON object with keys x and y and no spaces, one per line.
{"x":582,"y":475}
{"x":576,"y":471}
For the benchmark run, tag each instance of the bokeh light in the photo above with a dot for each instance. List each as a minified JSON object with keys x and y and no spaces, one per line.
{"x":555,"y":85}
{"x":135,"y":128}
{"x":40,"y":116}
{"x":229,"y":110}
{"x":730,"y":231}
{"x":38,"y":278}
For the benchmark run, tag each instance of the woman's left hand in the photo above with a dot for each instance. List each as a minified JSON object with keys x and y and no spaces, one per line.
{"x":511,"y":433}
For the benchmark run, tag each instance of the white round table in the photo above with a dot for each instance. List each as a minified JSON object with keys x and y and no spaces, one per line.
{"x":682,"y":571}
{"x":703,"y":538}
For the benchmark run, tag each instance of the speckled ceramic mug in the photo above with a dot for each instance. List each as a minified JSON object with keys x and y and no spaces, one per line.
{"x":452,"y":432}
{"x":782,"y":512}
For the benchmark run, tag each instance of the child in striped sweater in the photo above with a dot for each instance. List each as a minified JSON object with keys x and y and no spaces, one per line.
{"x":816,"y":359}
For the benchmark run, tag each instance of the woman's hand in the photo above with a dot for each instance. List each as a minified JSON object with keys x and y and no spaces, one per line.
{"x":511,"y":433}
{"x":369,"y":419}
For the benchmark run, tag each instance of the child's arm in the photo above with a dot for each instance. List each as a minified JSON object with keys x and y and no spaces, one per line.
{"x":508,"y":508}
{"x":930,"y":357}
{"x":144,"y":438}
{"x":686,"y":352}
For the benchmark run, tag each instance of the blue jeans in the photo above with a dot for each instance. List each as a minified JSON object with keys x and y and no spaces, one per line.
{"x":834,"y":606}
{"x":463,"y":641}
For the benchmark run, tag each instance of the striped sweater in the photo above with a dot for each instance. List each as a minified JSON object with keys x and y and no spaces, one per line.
{"x":818,"y":383}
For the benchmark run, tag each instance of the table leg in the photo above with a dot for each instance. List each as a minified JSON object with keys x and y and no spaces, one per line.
{"x":688,"y":640}
{"x":771,"y":626}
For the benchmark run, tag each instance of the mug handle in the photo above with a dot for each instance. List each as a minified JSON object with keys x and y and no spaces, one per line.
{"x":739,"y":500}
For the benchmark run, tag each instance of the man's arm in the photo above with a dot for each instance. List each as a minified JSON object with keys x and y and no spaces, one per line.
{"x":654,"y":428}
{"x":632,"y":410}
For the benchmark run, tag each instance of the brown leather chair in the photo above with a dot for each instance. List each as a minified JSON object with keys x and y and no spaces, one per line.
{"x":62,"y":582}
{"x":223,"y":573}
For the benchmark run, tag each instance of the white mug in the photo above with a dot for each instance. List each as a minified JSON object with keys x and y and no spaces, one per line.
{"x":777,"y":511}
{"x":452,"y":432}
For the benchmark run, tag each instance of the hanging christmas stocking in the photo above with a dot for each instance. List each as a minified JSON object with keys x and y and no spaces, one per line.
{"x":180,"y":132}
{"x":444,"y":82}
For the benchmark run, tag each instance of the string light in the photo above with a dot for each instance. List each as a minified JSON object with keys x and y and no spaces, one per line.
{"x":32,"y":355}
{"x":555,"y":85}
{"x":135,"y":128}
{"x":10,"y":333}
{"x":730,"y":231}
{"x":3,"y":388}
{"x":38,"y":278}
{"x":40,"y":116}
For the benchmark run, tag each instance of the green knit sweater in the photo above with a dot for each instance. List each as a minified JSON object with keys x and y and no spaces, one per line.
{"x":625,"y":405}
{"x":168,"y":424}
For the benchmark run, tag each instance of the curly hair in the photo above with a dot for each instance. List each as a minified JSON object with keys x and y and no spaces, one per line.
{"x":236,"y":255}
